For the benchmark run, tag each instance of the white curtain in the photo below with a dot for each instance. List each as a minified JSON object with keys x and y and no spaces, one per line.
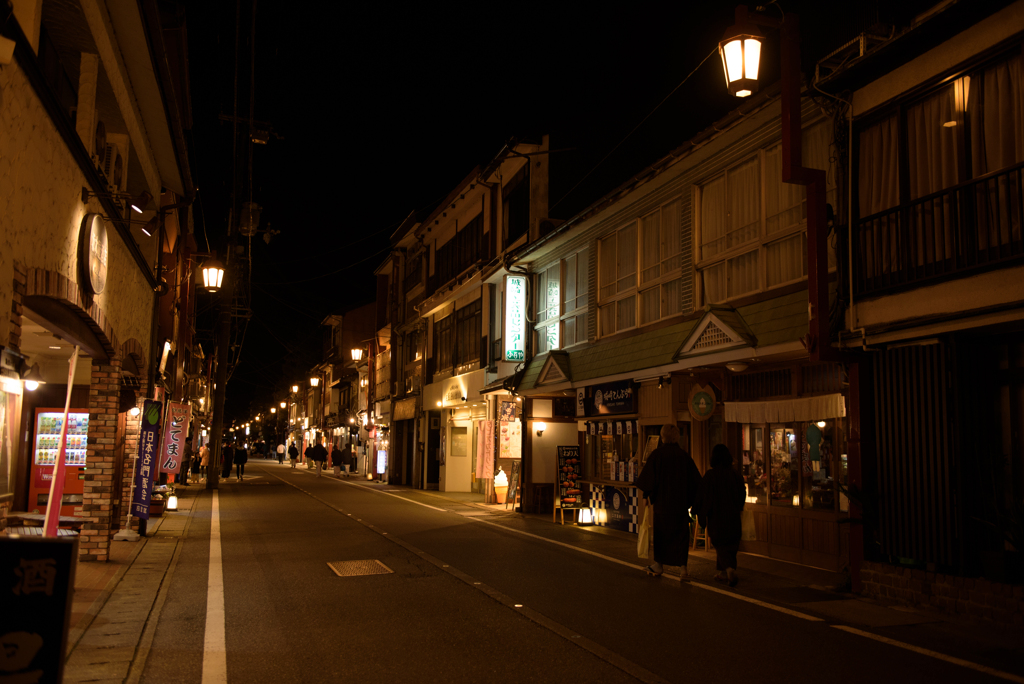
{"x":878,"y":190}
{"x":744,"y":203}
{"x":712,"y":218}
{"x":786,"y":259}
{"x":997,"y":138}
{"x":933,"y":166}
{"x":650,"y":247}
{"x":606,"y":267}
{"x":671,"y":234}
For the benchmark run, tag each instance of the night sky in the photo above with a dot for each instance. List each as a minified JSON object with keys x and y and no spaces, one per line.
{"x":382,"y":108}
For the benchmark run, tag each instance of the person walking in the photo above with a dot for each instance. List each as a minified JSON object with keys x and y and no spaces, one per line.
{"x":293,"y":454}
{"x":346,"y":459}
{"x":280,"y":453}
{"x":241,"y":458}
{"x":319,"y":455}
{"x":718,"y":507}
{"x":336,"y":459}
{"x":204,"y":460}
{"x":670,"y":481}
{"x":227,"y":456}
{"x":186,"y":462}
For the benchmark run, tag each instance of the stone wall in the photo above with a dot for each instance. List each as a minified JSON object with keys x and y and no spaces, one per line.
{"x":973,"y":597}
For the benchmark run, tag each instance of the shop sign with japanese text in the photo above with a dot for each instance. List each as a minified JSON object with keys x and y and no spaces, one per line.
{"x":612,"y":398}
{"x":515,"y":319}
{"x":146,"y":466}
{"x":175,"y":431}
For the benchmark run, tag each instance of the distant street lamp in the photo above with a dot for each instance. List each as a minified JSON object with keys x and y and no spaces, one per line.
{"x":295,"y":389}
{"x":273,"y":409}
{"x":314,"y":381}
{"x":357,"y":355}
{"x":283,"y":405}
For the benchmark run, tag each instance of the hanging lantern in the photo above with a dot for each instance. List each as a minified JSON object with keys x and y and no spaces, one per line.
{"x":213,"y":275}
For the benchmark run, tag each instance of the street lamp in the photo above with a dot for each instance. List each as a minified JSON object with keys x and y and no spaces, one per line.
{"x":273,"y":409}
{"x":295,"y":389}
{"x":357,"y":355}
{"x":283,"y":405}
{"x":314,"y":381}
{"x":213,"y":275}
{"x":740,"y":49}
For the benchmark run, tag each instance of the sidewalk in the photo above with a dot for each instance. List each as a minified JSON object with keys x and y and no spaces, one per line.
{"x":110,"y":628}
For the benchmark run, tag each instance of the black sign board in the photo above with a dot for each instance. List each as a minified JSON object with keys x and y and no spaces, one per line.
{"x":570,"y":492}
{"x":513,"y":484}
{"x":37,"y":580}
{"x":612,"y":398}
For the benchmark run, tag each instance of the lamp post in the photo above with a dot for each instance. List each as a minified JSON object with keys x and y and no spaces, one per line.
{"x":817,"y":341}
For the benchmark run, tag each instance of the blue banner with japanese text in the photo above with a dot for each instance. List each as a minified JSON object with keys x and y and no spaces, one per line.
{"x":146,"y":468}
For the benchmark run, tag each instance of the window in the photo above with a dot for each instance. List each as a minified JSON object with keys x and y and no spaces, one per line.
{"x":443,"y":348}
{"x":753,"y":227}
{"x":548,"y":287}
{"x":461,"y":252}
{"x":574,"y":298}
{"x":938,"y":179}
{"x":467,"y":333}
{"x":639,"y":271}
{"x":516,"y":207}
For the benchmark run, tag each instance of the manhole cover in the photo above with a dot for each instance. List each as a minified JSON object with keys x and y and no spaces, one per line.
{"x":359,"y":567}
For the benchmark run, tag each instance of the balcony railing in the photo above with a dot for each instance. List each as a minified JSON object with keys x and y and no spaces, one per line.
{"x":964,"y":228}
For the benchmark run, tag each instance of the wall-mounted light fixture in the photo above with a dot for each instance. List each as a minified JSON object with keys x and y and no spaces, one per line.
{"x":134,"y":412}
{"x":314,"y":381}
{"x":541,"y":427}
{"x":283,"y":405}
{"x":357,"y":354}
{"x":740,"y":49}
{"x":736,"y":366}
{"x":33,"y":378}
{"x":213,"y":275}
{"x":273,"y":409}
{"x":295,"y":389}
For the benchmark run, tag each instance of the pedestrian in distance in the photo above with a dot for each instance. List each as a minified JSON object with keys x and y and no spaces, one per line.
{"x":718,"y":507}
{"x":280,"y":453}
{"x":346,"y":459}
{"x":204,"y":460}
{"x":670,"y":481}
{"x":319,"y":455}
{"x":293,"y":454}
{"x":186,"y":462}
{"x":241,"y":458}
{"x":336,"y":461}
{"x":227,"y":456}
{"x":307,"y":455}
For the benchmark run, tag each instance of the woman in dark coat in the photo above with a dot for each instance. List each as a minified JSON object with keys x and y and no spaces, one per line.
{"x":670,"y":480}
{"x":718,"y":509}
{"x":227,"y":455}
{"x":241,"y":458}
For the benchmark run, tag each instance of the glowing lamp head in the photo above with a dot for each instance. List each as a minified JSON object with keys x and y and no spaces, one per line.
{"x":213,"y":275}
{"x":740,"y":49}
{"x":314,"y":381}
{"x":357,"y":355}
{"x":295,"y":389}
{"x":273,"y":409}
{"x":283,"y":404}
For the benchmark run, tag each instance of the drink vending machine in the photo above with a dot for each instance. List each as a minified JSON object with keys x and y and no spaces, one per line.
{"x":46,"y":442}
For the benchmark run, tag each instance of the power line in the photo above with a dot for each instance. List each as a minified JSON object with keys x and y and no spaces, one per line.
{"x":612,"y":151}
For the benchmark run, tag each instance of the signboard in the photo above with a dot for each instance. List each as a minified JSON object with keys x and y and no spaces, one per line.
{"x":175,"y":428}
{"x":514,"y":336}
{"x":513,"y":484}
{"x":581,"y":401}
{"x":485,"y":450}
{"x":701,"y":402}
{"x":616,"y":512}
{"x":612,"y":398}
{"x":149,"y":444}
{"x":568,"y":472}
{"x":92,"y":254}
{"x":38,"y":578}
{"x":507,"y":411}
{"x":510,"y":439}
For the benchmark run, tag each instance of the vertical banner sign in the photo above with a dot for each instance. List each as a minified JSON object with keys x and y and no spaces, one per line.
{"x":149,"y":444}
{"x":173,"y":445}
{"x":485,"y":450}
{"x":514,"y":337}
{"x":570,"y":495}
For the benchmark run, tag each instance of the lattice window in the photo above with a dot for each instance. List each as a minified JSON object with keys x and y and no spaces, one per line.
{"x":713,"y":336}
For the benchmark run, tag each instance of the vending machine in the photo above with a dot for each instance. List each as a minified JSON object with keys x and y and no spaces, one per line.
{"x":46,"y":443}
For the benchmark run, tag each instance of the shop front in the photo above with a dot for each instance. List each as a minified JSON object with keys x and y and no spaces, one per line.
{"x":460,"y":410}
{"x":793,"y":457}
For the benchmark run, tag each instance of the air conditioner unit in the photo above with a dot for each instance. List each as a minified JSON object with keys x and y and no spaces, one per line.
{"x":115,"y":162}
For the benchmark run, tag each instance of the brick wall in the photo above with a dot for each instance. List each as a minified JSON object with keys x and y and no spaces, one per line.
{"x":100,"y":490}
{"x":131,"y":449}
{"x":973,"y":597}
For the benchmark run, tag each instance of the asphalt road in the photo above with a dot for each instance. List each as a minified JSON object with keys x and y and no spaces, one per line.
{"x":476,"y":597}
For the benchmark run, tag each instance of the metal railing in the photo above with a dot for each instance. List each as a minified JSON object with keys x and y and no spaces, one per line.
{"x":963,"y":228}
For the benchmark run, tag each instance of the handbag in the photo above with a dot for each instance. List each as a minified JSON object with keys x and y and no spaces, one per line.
{"x":643,"y":541}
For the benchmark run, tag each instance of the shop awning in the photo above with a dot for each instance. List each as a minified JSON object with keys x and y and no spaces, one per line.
{"x":786,"y":410}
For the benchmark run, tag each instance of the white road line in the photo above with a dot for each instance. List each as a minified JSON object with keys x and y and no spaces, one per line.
{"x":934,"y":654}
{"x":763,"y":604}
{"x":215,"y":661}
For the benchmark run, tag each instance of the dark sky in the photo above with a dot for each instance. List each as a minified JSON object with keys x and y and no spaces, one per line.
{"x":382,"y":108}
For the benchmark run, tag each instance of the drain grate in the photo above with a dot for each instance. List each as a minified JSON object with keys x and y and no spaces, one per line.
{"x":357,"y":568}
